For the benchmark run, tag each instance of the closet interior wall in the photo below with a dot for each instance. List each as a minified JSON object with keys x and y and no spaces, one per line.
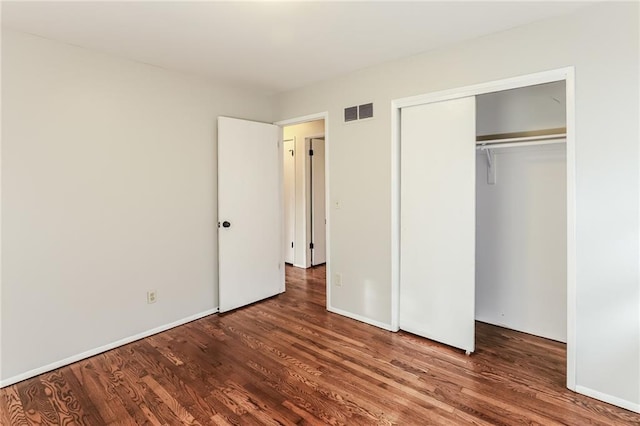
{"x":521,"y":272}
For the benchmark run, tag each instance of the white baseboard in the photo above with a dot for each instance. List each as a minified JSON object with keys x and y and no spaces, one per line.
{"x":360,"y":318}
{"x":628,"y":405}
{"x":107,"y":347}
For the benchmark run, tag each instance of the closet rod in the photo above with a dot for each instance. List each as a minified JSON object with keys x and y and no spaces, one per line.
{"x":521,"y":139}
{"x":549,"y":141}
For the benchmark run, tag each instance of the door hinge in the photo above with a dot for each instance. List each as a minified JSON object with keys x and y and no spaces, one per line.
{"x":311,"y":246}
{"x":311,"y":152}
{"x":291,"y":244}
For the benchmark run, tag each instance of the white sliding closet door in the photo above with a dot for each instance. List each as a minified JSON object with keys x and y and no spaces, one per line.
{"x":437,"y":201}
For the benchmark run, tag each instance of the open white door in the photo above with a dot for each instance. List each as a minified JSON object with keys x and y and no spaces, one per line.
{"x":437,"y":235}
{"x":249,"y":212}
{"x":289,"y":168}
{"x":318,"y":212}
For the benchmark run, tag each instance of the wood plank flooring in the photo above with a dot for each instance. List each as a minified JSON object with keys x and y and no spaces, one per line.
{"x":288,"y":361}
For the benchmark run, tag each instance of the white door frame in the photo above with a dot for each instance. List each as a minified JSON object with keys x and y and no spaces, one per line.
{"x":305,"y":119}
{"x":563,"y":74}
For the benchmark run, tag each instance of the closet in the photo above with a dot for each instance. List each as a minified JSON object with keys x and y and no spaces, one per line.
{"x":483,"y":215}
{"x":521,"y":210}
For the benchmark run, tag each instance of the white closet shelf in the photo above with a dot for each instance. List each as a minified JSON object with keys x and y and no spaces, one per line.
{"x":521,"y":141}
{"x":524,"y":138}
{"x":483,"y":146}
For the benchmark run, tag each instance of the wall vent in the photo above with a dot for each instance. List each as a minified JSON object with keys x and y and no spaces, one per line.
{"x":365,"y":111}
{"x":358,"y":112}
{"x":350,"y":114}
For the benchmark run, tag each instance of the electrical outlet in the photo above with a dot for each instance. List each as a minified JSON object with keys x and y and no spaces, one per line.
{"x":152,"y":296}
{"x":337,"y":280}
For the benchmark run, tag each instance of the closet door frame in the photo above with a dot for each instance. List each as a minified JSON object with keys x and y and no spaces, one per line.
{"x":563,"y":74}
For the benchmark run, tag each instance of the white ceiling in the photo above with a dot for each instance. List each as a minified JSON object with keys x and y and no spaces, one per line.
{"x":270,"y":46}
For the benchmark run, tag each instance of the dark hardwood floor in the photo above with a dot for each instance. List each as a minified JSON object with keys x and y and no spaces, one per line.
{"x":288,"y":361}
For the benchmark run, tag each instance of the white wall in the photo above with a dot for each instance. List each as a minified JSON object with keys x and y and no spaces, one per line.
{"x":108,"y":190}
{"x":601,"y":41}
{"x":302,"y":254}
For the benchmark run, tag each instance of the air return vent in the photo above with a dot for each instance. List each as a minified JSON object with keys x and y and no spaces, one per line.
{"x":365,"y":111}
{"x":350,"y":114}
{"x":359,"y":112}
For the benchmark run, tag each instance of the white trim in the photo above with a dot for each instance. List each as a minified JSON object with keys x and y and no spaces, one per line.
{"x":281,"y":267}
{"x":360,"y":318}
{"x":107,"y":347}
{"x":610,"y":399}
{"x":305,"y":119}
{"x":327,"y":214}
{"x":488,"y":87}
{"x":304,"y":243}
{"x":571,"y":230}
{"x":567,"y":74}
{"x":395,"y":216}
